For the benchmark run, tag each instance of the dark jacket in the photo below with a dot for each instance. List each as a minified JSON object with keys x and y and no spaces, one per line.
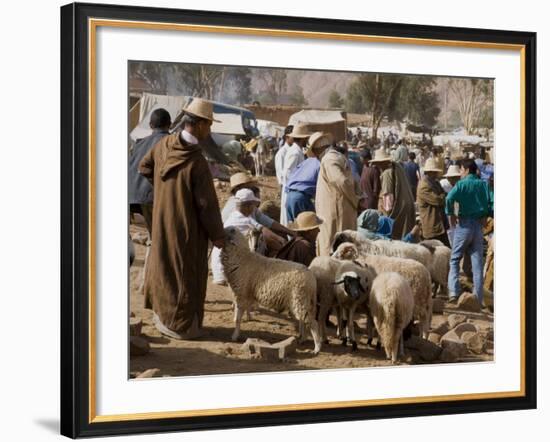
{"x":140,"y":190}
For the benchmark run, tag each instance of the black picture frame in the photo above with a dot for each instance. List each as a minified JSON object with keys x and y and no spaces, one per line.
{"x":75,"y":220}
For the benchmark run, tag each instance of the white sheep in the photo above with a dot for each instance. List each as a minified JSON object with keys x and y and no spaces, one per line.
{"x":416,"y":275}
{"x":343,"y":284}
{"x":439,"y":269}
{"x":391,"y":305}
{"x":272,"y":283}
{"x":399,"y":249}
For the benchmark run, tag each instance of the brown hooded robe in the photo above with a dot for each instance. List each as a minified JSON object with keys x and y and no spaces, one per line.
{"x":186,"y":214}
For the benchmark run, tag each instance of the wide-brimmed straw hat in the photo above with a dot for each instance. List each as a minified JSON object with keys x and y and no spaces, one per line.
{"x":201,"y":108}
{"x":318,"y":140}
{"x":306,"y":221}
{"x":239,"y":179}
{"x":380,"y":155}
{"x":432,"y":166}
{"x":453,"y":171}
{"x":299,"y":131}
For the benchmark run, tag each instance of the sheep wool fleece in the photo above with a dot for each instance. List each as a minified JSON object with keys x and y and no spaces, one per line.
{"x":186,"y":214}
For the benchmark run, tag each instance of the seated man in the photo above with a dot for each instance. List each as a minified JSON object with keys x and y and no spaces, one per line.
{"x":301,"y":248}
{"x":371,"y":224}
{"x":241,"y":218}
{"x":274,"y":234}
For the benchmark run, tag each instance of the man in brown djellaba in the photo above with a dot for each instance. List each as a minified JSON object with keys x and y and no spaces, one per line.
{"x":186,"y":215}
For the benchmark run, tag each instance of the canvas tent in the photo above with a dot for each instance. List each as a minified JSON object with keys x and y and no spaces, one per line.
{"x":322,"y":120}
{"x":230,"y":124}
{"x":270,"y":128}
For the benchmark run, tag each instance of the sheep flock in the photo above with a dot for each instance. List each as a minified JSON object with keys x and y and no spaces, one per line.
{"x":390,"y":283}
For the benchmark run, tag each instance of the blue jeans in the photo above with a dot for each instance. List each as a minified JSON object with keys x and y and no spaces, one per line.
{"x":296,"y":203}
{"x":468,"y":238}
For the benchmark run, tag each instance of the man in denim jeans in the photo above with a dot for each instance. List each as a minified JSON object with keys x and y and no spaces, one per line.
{"x":472,"y":196}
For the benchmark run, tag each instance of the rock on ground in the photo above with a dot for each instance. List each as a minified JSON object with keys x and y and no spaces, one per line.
{"x":475,"y":342}
{"x":151,"y":373}
{"x":452,"y":341}
{"x":428,"y":351}
{"x":464,"y":327}
{"x":438,"y":306}
{"x":468,"y":301}
{"x":279,"y":351}
{"x":455,"y":319}
{"x":434,"y":337}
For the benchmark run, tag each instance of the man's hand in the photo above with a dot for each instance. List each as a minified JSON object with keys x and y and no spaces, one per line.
{"x":219,"y":243}
{"x":452,"y":221}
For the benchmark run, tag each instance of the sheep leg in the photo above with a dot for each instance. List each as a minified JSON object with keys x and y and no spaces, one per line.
{"x":238,"y":316}
{"x":401,"y":346}
{"x":351,"y":328}
{"x":339,"y":331}
{"x":316,"y":336}
{"x":301,"y":332}
{"x":323,"y":314}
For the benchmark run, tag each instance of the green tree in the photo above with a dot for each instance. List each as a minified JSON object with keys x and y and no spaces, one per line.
{"x":377,"y":94}
{"x":420,"y":101}
{"x":334,"y":99}
{"x":297,"y":96}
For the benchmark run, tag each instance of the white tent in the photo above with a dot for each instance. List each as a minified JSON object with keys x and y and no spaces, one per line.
{"x":231,"y":124}
{"x":270,"y":128}
{"x":315,"y":116}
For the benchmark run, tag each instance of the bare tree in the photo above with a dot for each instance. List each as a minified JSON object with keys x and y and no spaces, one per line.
{"x":472,"y":96}
{"x":274,"y":81}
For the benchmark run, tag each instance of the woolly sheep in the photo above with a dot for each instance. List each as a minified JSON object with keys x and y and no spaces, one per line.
{"x":439,"y":269}
{"x":399,"y":249}
{"x":273,"y":283}
{"x":339,"y":283}
{"x":416,"y":275}
{"x":391,"y":305}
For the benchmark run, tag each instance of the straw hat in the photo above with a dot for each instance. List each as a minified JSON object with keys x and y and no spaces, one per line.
{"x":380,"y":156}
{"x":239,"y":179}
{"x":453,"y":171}
{"x":201,"y":108}
{"x":432,"y":166}
{"x":299,"y":131}
{"x":318,"y":140}
{"x":306,"y":221}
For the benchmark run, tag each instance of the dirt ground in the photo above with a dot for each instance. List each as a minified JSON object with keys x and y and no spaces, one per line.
{"x":215,"y":353}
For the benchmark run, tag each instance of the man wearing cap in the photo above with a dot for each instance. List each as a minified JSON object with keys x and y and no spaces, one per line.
{"x":274,"y":233}
{"x":242,"y":219}
{"x":397,"y":200}
{"x":302,"y":182}
{"x":294,"y":156}
{"x":472,"y":195}
{"x":431,"y":204}
{"x":140,"y":190}
{"x":301,"y":248}
{"x":336,"y":200}
{"x":186,"y":215}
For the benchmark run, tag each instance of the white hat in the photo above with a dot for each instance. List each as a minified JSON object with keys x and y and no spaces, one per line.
{"x":246,"y":195}
{"x":453,"y":171}
{"x":201,"y":108}
{"x":431,"y":166}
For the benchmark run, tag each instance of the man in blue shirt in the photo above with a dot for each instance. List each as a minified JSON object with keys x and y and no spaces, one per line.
{"x":302,"y":181}
{"x":413,"y":172}
{"x":471,"y":194}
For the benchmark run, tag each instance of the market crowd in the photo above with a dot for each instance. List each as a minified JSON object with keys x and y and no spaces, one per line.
{"x":389,"y":191}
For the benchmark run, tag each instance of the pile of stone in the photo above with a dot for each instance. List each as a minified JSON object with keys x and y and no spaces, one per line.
{"x":451,"y":341}
{"x":278,"y":352}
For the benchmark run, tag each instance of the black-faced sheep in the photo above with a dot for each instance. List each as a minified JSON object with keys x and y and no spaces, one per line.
{"x":345,"y":285}
{"x":391,"y":305}
{"x":272,"y":283}
{"x":416,"y":275}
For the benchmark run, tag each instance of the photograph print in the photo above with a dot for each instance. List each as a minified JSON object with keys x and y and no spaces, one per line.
{"x":284,"y":219}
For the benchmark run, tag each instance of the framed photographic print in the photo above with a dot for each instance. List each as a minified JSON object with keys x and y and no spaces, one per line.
{"x":273,"y":220}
